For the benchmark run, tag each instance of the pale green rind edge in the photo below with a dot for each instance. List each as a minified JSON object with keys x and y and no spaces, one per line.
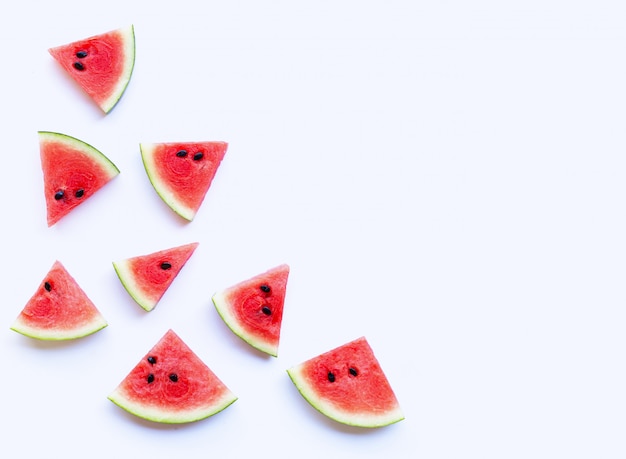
{"x":224,"y":310}
{"x":126,"y":278}
{"x":156,"y":415}
{"x":366,"y":420}
{"x":84,"y":147}
{"x":129,"y":64}
{"x":56,"y":335}
{"x":163,"y":191}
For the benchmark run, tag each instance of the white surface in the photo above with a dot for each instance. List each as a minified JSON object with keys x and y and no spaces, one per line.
{"x":446,"y":178}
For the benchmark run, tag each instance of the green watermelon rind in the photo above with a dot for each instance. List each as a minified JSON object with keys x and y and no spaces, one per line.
{"x":152,"y":413}
{"x":167,"y":195}
{"x":327,"y":408}
{"x":223,"y":308}
{"x":90,"y":328}
{"x":125,"y":275}
{"x":128,"y":33}
{"x":84,"y":148}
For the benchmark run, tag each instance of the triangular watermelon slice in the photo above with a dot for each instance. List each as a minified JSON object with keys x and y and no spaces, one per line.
{"x":59,"y":310}
{"x":72,"y":172}
{"x":147,"y":277}
{"x":348,"y":385}
{"x":171,"y":384}
{"x":253,"y":308}
{"x":181,"y":173}
{"x":101,"y":65}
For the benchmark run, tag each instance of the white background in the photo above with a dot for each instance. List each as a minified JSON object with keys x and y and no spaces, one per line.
{"x":445,"y":178}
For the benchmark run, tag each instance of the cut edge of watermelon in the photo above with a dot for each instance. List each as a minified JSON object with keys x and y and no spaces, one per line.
{"x":128,"y":35}
{"x":97,"y":324}
{"x":167,"y":194}
{"x":152,"y":413}
{"x":220,"y":301}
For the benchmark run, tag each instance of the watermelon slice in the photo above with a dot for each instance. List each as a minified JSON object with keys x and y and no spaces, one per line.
{"x":348,"y":385}
{"x":181,"y":173}
{"x":72,"y":172}
{"x":147,"y":277}
{"x":101,"y":65}
{"x":59,"y":310}
{"x":172,"y":385}
{"x":253,"y":308}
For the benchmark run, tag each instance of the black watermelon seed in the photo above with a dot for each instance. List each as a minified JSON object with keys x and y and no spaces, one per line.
{"x":266,"y":310}
{"x":353,"y":371}
{"x":151,"y":360}
{"x":79,"y":193}
{"x":173,"y":377}
{"x":47,"y":286}
{"x":81,"y":54}
{"x":181,"y":153}
{"x":331,"y":376}
{"x":198,"y":156}
{"x":166,"y":265}
{"x":265,"y":288}
{"x":150,"y":378}
{"x":59,"y":195}
{"x":79,"y":66}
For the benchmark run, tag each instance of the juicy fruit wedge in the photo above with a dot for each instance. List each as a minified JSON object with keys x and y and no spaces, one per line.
{"x":72,"y":172}
{"x":172,"y":385}
{"x":147,"y":277}
{"x":348,"y":385}
{"x":59,"y":310}
{"x":181,"y":173}
{"x":253,"y":308}
{"x":101,"y":65}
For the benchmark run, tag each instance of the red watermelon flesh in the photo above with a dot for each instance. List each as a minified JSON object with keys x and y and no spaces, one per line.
{"x":171,"y":384}
{"x":101,"y":65}
{"x":348,"y":385}
{"x":147,"y":277}
{"x":72,"y":172}
{"x":253,"y":308}
{"x":59,"y":309}
{"x":181,"y":173}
